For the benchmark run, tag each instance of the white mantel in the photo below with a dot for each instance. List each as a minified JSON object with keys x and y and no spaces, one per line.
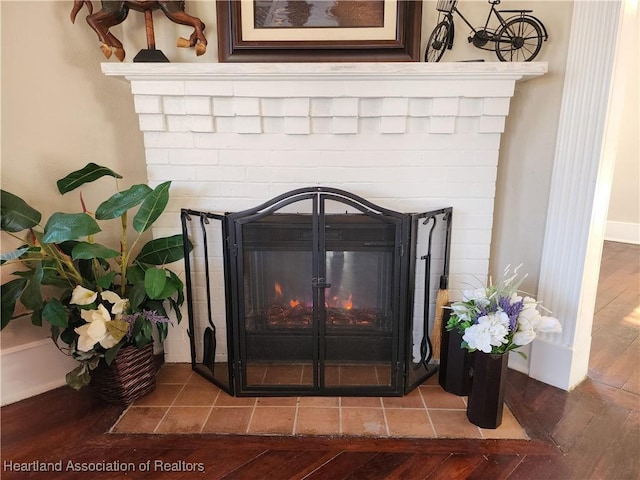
{"x":407,"y":136}
{"x":325,"y":71}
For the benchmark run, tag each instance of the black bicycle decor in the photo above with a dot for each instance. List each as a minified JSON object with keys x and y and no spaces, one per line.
{"x":518,"y":37}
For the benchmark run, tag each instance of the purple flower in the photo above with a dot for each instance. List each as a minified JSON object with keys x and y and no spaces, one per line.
{"x":512,"y":310}
{"x":150,"y":315}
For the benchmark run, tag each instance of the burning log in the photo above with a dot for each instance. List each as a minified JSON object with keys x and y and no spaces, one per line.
{"x":300,"y":316}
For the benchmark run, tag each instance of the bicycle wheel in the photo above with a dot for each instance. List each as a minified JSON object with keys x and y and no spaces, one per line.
{"x":438,"y":42}
{"x":519,"y":40}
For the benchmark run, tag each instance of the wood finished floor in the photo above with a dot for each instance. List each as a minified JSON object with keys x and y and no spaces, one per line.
{"x":591,"y":432}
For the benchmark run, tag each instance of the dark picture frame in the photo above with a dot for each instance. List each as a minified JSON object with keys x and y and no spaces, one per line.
{"x":236,"y":45}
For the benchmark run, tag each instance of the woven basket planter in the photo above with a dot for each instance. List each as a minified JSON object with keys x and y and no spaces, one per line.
{"x":131,"y":375}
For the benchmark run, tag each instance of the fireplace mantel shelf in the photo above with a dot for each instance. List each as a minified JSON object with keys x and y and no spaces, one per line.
{"x":326,"y":71}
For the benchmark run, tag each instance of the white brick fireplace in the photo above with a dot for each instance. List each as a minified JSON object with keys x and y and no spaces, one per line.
{"x":409,"y":137}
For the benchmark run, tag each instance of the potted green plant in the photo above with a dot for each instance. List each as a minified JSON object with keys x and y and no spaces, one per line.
{"x":99,"y":301}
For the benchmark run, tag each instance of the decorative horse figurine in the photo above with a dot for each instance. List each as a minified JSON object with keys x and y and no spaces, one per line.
{"x":115,"y":12}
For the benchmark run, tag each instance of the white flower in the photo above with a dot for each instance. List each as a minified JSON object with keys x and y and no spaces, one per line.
{"x":120,"y":305}
{"x":515,"y":298}
{"x":525,"y":333}
{"x":461,"y":311}
{"x":530,"y":322}
{"x":529,"y":303}
{"x":529,"y":313}
{"x":524,"y":337}
{"x":478,"y":295}
{"x":82,"y":296}
{"x":95,"y":330}
{"x":548,"y":325}
{"x":490,"y":331}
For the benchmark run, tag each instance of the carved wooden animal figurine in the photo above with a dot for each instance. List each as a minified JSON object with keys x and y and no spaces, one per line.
{"x":115,"y":12}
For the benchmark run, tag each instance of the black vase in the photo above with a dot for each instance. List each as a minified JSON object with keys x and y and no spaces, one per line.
{"x":488,"y":382}
{"x":454,"y":374}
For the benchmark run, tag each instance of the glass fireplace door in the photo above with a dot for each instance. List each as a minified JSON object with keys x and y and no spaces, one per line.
{"x":359,"y":326}
{"x":278,"y":321}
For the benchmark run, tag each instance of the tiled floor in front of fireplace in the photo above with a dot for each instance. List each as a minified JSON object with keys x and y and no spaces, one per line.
{"x":184,"y":402}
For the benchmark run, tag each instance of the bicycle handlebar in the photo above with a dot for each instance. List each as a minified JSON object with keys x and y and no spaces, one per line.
{"x":495,"y":2}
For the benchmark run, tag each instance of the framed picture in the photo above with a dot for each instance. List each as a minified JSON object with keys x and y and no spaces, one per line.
{"x":319,"y":30}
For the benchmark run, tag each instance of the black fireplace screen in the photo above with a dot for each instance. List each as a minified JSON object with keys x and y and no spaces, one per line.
{"x":317,"y":287}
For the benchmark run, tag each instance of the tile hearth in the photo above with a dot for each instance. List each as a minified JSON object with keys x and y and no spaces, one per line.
{"x":184,"y":402}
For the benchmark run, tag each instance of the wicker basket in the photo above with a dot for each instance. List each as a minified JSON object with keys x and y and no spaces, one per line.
{"x":131,"y":375}
{"x":446,"y":5}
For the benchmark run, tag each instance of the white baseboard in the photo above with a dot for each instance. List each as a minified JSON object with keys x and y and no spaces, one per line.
{"x":622,"y":232}
{"x":558,"y":365}
{"x":32,"y":369}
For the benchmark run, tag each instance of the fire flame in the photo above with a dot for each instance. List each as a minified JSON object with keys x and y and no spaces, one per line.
{"x":335,"y":301}
{"x":348,"y":304}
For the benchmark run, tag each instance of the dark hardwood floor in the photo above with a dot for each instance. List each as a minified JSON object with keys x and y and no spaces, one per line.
{"x":590,"y":432}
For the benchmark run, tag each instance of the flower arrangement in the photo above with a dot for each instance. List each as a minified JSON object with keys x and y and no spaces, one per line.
{"x":96,"y":299}
{"x":496,"y":319}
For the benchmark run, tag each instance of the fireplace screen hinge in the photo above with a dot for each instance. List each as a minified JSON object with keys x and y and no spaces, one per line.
{"x":401,"y":247}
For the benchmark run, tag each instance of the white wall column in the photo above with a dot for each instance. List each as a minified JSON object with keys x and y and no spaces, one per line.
{"x":578,"y":202}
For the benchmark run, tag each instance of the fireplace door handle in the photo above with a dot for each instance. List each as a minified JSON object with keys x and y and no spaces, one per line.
{"x":319,"y":283}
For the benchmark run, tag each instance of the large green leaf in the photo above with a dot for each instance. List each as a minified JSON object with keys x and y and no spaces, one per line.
{"x":88,"y":251}
{"x":78,"y":377}
{"x":54,"y":313}
{"x":117,"y":328}
{"x":119,"y":203}
{"x":88,"y":174}
{"x":145,"y":335}
{"x":5,"y":257}
{"x":111,"y":353}
{"x":15,"y":214}
{"x":69,"y":226}
{"x":137,"y":294}
{"x":179,"y":285}
{"x":36,"y":318}
{"x":152,"y":207}
{"x":32,"y":295}
{"x":162,"y":251}
{"x":176,"y":308}
{"x":135,"y":274}
{"x":169,"y":289}
{"x":163,"y":330}
{"x":52,"y":276}
{"x":155,"y":280}
{"x":10,"y":292}
{"x":106,"y":280}
{"x":156,"y":306}
{"x":68,"y":335}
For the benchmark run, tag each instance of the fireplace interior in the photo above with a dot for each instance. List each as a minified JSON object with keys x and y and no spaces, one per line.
{"x":319,"y":292}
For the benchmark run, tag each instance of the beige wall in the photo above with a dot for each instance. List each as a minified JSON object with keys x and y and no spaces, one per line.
{"x":59,"y":112}
{"x":624,"y":205}
{"x":528,"y":144}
